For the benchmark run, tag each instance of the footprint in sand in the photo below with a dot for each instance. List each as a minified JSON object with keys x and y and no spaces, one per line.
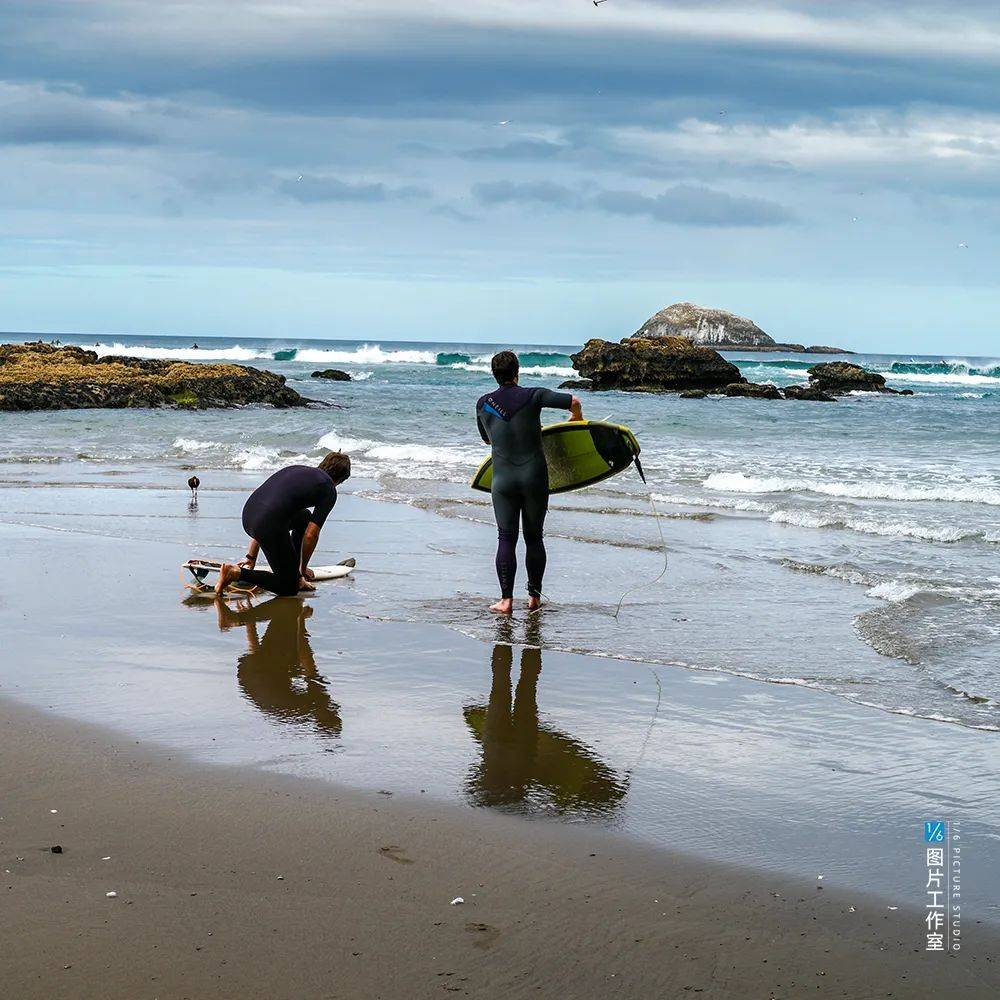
{"x":486,"y":936}
{"x":394,"y":853}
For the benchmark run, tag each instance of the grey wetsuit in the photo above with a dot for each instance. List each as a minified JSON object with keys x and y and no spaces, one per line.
{"x":509,"y":419}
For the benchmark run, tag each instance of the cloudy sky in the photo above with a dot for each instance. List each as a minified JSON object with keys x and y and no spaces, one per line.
{"x":341,"y":169}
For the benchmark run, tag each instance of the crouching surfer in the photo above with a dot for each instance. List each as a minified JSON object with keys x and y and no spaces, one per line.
{"x":283,"y":518}
{"x":509,"y":419}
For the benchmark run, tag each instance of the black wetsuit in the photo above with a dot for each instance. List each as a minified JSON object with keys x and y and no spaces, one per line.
{"x":509,"y":419}
{"x":277,"y":515}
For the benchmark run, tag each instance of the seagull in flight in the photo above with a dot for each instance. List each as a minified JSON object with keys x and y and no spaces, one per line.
{"x":963,"y":246}
{"x":507,"y":122}
{"x":597,"y":3}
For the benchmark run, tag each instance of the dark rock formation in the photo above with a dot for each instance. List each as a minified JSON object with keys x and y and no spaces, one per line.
{"x":334,"y":374}
{"x":751,"y":390}
{"x":693,"y":394}
{"x":717,"y":328}
{"x":839,"y":377}
{"x":45,"y":377}
{"x":662,"y":364}
{"x":808,"y":392}
{"x":577,"y":383}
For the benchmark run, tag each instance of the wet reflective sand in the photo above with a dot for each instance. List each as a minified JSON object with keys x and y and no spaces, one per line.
{"x":99,"y":628}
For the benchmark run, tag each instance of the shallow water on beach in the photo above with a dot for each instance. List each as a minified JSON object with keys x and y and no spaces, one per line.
{"x":100,"y":628}
{"x":812,"y":677}
{"x":852,"y":547}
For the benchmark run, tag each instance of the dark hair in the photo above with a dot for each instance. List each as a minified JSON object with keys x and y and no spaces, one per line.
{"x":505,"y":367}
{"x":337,"y":466}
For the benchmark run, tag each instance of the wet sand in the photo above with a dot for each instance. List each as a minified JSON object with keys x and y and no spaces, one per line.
{"x":237,"y":883}
{"x":255,"y":779}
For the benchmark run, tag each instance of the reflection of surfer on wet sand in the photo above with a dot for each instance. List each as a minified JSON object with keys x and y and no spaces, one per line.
{"x":278,"y":672}
{"x":528,"y":764}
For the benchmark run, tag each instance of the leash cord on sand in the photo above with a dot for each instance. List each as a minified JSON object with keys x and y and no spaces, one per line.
{"x":652,"y":722}
{"x":663,"y":572}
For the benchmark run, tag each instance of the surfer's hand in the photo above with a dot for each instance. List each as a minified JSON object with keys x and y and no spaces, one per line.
{"x":247,"y":563}
{"x":575,"y":410}
{"x":308,"y":574}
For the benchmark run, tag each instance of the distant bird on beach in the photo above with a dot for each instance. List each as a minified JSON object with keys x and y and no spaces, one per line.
{"x":193,"y":483}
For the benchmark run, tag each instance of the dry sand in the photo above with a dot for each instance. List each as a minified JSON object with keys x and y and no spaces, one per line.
{"x":237,"y":883}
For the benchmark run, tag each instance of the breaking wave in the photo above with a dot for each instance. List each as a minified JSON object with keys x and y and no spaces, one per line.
{"x":532,"y":362}
{"x":737,"y":482}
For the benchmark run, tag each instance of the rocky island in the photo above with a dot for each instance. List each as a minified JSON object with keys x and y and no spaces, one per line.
{"x":674,"y":364}
{"x":725,"y":331}
{"x":661,"y":364}
{"x":39,"y":376}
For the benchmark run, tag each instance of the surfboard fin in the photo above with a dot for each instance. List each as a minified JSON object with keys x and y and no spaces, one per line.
{"x":638,"y":468}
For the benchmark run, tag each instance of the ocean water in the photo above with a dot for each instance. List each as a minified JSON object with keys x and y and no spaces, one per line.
{"x":852,"y":547}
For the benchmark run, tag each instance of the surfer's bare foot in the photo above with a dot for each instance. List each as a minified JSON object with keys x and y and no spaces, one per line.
{"x":534,"y":603}
{"x":304,"y":584}
{"x":227,"y":575}
{"x":505,"y":606}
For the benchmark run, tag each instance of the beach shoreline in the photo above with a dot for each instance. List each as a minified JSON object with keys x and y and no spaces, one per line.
{"x":236,"y":882}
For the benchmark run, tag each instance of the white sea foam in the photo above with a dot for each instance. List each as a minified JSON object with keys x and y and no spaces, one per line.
{"x":236,"y":353}
{"x":192,"y":446}
{"x":895,"y":591}
{"x":887,"y":529}
{"x":543,"y":370}
{"x":737,"y":482}
{"x":367,"y":354}
{"x":258,"y":458}
{"x":942,"y":378}
{"x":718,"y":503}
{"x":399,"y":456}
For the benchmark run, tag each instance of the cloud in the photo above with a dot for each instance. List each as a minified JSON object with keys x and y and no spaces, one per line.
{"x":522,"y":149}
{"x":510,"y":192}
{"x":690,"y":205}
{"x":455,"y":214}
{"x":311,"y":189}
{"x":37,"y":114}
{"x":682,"y":204}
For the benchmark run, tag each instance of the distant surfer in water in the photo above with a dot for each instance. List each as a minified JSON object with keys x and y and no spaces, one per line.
{"x":509,"y":419}
{"x":279,"y":521}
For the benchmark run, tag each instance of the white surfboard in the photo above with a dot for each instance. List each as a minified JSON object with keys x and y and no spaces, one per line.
{"x":201,"y":570}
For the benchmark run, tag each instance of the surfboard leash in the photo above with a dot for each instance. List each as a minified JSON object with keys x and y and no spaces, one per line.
{"x":663,"y":544}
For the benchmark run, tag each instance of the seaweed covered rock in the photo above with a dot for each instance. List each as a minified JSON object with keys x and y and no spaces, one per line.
{"x":839,"y":377}
{"x":808,"y":392}
{"x":38,"y":376}
{"x":334,"y":374}
{"x":751,"y":390}
{"x":661,"y":364}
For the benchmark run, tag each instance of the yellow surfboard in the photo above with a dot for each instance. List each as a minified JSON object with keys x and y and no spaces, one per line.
{"x":578,"y":453}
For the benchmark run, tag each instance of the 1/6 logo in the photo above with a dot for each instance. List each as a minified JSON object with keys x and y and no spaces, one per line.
{"x":934,"y":831}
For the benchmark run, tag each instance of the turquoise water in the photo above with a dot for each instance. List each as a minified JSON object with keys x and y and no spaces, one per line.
{"x":850,"y":547}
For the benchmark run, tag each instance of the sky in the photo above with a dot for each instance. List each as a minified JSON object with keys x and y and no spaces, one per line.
{"x":501,"y":171}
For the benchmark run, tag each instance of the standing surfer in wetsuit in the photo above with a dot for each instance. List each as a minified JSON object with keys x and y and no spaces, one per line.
{"x":509,"y":419}
{"x":278,"y":520}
